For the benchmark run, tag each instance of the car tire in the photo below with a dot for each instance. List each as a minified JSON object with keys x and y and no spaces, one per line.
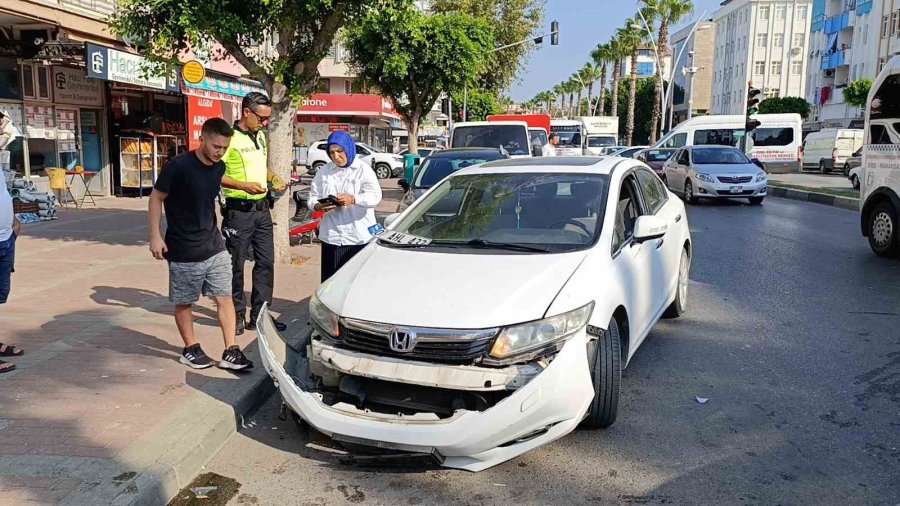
{"x":884,"y":238}
{"x":382,"y":170}
{"x":755,"y":201}
{"x":316,"y":167}
{"x":846,"y":170}
{"x":822,"y":168}
{"x":679,"y":305}
{"x":689,"y":193}
{"x":605,"y":362}
{"x":855,"y":182}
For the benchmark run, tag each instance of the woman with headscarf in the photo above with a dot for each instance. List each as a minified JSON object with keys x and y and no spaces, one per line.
{"x":347,"y":191}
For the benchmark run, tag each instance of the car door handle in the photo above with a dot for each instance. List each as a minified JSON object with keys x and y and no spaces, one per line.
{"x":659,"y":243}
{"x":678,"y":218}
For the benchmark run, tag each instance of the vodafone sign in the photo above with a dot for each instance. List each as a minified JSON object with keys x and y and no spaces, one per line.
{"x":348,"y":105}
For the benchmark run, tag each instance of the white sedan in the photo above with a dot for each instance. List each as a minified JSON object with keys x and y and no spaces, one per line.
{"x":494,"y":315}
{"x":715,"y":172}
{"x":385,"y":165}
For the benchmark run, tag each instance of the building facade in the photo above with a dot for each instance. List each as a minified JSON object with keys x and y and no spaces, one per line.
{"x":694,"y":51}
{"x":843,"y":37}
{"x":760,"y":41}
{"x":889,"y":33}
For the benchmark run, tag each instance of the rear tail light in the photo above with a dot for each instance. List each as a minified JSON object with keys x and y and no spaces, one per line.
{"x":800,"y":154}
{"x":834,"y":154}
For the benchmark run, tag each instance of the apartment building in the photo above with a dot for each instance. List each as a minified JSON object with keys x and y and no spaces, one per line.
{"x":889,"y":33}
{"x":697,"y":52}
{"x":763,"y":41}
{"x":843,"y":38}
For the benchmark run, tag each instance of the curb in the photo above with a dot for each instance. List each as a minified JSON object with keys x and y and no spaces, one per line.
{"x":847,"y":203}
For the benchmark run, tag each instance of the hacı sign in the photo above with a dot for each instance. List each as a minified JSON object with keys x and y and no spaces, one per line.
{"x":72,"y":86}
{"x":113,"y":65}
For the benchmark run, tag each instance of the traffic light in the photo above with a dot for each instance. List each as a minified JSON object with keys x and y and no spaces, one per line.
{"x":554,"y":33}
{"x":752,"y":108}
{"x":445,"y":106}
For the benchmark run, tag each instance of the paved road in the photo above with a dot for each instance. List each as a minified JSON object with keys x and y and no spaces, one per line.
{"x":793,"y":336}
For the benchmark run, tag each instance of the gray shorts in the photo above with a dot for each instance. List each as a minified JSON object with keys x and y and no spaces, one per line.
{"x":211,"y":277}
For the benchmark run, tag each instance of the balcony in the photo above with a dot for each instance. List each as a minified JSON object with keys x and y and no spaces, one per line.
{"x":864,"y":7}
{"x":835,"y":59}
{"x":98,"y":9}
{"x":837,"y":23}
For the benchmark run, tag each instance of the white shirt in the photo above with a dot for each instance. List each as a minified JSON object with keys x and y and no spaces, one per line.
{"x":549,"y":150}
{"x":347,"y":226}
{"x":6,"y":210}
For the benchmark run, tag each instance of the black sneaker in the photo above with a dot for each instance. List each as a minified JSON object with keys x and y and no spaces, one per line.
{"x":280,"y":327}
{"x":239,"y":327}
{"x":233,"y":358}
{"x":194,"y":357}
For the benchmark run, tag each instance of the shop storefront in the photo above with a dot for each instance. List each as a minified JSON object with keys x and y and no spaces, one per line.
{"x":147,"y":117}
{"x":368,"y":118}
{"x":216,"y":96}
{"x":11,"y":104}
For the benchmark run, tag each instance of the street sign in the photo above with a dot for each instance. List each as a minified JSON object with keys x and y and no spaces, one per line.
{"x":193,"y":72}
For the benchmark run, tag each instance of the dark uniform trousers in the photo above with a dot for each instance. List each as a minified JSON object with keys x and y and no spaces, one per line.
{"x":245,"y":229}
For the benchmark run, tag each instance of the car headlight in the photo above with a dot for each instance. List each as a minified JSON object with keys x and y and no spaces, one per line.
{"x":324,"y":319}
{"x":519,"y":339}
{"x":762,"y":176}
{"x":705,"y":177}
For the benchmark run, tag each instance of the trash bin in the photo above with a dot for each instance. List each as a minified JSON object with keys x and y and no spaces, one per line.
{"x":410,"y":162}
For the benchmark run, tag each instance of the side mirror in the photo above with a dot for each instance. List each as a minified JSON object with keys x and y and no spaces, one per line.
{"x":758,"y":163}
{"x":648,"y":227}
{"x":403,"y":184}
{"x":390,"y":219}
{"x":323,"y":147}
{"x":537,"y":150}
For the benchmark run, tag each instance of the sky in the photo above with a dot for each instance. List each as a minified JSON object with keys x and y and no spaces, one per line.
{"x":582,"y":25}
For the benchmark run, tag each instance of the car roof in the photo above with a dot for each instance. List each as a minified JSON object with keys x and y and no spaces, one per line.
{"x":561,"y":164}
{"x":708,"y":146}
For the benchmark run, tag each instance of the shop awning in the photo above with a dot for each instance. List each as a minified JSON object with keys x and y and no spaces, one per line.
{"x":360,"y":105}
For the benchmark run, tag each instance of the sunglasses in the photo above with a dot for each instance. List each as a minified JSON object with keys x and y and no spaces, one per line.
{"x":262,"y":119}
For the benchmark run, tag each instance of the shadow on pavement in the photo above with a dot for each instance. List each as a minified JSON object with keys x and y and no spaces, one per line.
{"x":116,"y":227}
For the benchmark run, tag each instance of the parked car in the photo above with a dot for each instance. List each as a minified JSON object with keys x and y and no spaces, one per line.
{"x":656,"y":159}
{"x":441,"y":164}
{"x":853,"y":176}
{"x":608,"y":150}
{"x":855,"y":160}
{"x":829,"y":149}
{"x":384,"y":164}
{"x":523,"y":288}
{"x":715,"y":172}
{"x":629,"y":152}
{"x":423,"y":152}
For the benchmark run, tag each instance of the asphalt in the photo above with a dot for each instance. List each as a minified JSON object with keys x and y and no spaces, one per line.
{"x":791,"y":334}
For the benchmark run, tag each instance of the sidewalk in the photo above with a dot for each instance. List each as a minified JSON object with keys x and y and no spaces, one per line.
{"x":99,"y":410}
{"x":830,"y":189}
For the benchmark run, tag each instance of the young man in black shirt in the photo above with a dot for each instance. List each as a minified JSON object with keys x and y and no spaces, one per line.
{"x":198,"y":262}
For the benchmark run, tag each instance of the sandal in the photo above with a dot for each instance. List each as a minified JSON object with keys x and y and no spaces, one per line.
{"x":8,"y":350}
{"x":6,"y":367}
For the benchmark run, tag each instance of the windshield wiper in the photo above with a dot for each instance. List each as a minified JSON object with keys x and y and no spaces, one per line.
{"x":481,"y":243}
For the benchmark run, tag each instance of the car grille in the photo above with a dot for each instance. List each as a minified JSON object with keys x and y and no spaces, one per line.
{"x":434,"y":345}
{"x":734,"y":179}
{"x":726,"y":193}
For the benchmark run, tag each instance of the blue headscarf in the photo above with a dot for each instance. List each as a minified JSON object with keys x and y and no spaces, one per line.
{"x":343,"y":139}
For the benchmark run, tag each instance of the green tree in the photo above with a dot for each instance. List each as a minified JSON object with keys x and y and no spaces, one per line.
{"x":619,"y":52}
{"x":603,"y":56}
{"x":632,"y":38}
{"x":857,"y":93}
{"x":302,"y":32}
{"x":643,"y":111}
{"x":511,"y":21}
{"x":667,"y":12}
{"x":421,"y":56}
{"x":481,"y":104}
{"x":779,"y":105}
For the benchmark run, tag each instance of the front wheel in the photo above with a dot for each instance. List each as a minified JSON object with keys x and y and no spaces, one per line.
{"x":883,"y":237}
{"x":855,"y":182}
{"x":755,"y":201}
{"x":689,"y":193}
{"x":846,"y":170}
{"x":605,"y":362}
{"x":679,"y":305}
{"x":822,"y":168}
{"x":382,"y":171}
{"x":316,"y":167}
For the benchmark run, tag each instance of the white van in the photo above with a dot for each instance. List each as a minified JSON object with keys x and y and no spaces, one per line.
{"x":776,"y":143}
{"x":828,"y":149}
{"x":571,"y":135}
{"x":511,"y":136}
{"x":880,"y":182}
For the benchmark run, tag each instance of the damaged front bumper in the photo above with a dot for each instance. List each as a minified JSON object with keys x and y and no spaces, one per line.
{"x":495,"y":414}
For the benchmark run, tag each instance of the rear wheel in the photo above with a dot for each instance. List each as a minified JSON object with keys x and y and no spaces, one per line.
{"x":755,"y":201}
{"x":846,"y":169}
{"x":822,"y":168}
{"x":679,"y":305}
{"x":883,"y":236}
{"x":382,"y":171}
{"x":855,"y":182}
{"x":605,"y":362}
{"x":316,"y":167}
{"x":689,"y":193}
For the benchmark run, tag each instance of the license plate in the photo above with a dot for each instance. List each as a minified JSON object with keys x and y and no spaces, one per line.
{"x":403,"y":239}
{"x":736,"y":189}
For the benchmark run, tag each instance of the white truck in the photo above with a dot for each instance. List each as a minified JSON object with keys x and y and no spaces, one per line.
{"x":599,"y":132}
{"x":571,"y":133}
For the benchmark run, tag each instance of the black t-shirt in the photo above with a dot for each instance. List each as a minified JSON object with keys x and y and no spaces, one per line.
{"x":192,"y":186}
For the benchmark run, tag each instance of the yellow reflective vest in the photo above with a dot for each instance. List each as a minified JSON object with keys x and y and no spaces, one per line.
{"x":245,"y":161}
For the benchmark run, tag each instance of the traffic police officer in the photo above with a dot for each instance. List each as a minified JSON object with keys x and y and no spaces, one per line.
{"x":247,"y":222}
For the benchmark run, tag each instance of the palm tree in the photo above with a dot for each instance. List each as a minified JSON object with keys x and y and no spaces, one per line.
{"x":667,"y":12}
{"x":589,"y":74}
{"x":578,"y":83}
{"x":571,"y":86}
{"x":560,"y":93}
{"x":619,"y":51}
{"x":547,"y":97}
{"x":632,"y":38}
{"x":602,"y":56}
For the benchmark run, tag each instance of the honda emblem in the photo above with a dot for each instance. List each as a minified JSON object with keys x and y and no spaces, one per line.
{"x":402,"y":340}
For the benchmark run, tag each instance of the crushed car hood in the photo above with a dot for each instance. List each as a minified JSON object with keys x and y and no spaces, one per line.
{"x":447,"y":290}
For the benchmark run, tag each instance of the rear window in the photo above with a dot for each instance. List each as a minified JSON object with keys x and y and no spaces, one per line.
{"x":656,"y":155}
{"x":513,"y":138}
{"x":773,"y":136}
{"x":718,"y":137}
{"x":434,"y":170}
{"x":601,"y":142}
{"x":718,"y":156}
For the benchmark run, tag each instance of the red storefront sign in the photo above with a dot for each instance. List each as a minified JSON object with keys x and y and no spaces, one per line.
{"x":342,"y":127}
{"x":348,"y":105}
{"x":199,"y":110}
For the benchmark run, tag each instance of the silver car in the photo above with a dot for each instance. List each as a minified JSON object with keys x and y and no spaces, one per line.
{"x":715,"y":172}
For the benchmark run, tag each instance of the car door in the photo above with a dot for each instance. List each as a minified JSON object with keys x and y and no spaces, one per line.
{"x":632,"y":260}
{"x":667,"y":250}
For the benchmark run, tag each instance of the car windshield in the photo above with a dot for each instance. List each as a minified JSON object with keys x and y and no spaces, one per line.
{"x":512,"y":138}
{"x":657,"y":155}
{"x":434,"y":170}
{"x":568,"y":135}
{"x":718,"y":156}
{"x":536,"y":212}
{"x":601,"y":142}
{"x":538,"y":137}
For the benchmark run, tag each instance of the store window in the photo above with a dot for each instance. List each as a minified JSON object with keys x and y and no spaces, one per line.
{"x":36,"y":82}
{"x":10,"y":88}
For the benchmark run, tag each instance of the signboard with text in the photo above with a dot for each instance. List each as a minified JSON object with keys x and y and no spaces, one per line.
{"x":111,"y":64}
{"x":72,"y":86}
